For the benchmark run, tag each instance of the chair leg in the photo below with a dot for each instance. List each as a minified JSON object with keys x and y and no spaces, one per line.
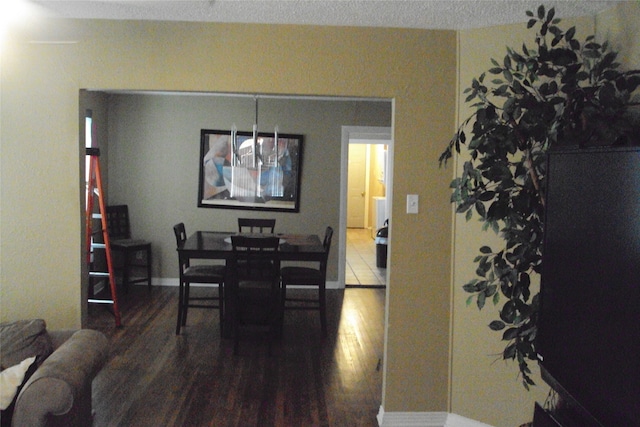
{"x":185,"y":304}
{"x":180,"y":303}
{"x":283,"y":303}
{"x":236,"y":334}
{"x":221,"y":306}
{"x":149,"y":267}
{"x":323,"y":308}
{"x":125,"y":271}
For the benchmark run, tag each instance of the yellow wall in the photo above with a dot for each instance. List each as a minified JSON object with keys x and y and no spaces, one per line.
{"x":41,"y":243}
{"x":619,"y":25}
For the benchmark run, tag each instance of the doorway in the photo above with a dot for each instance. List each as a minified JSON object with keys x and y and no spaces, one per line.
{"x":364,"y":202}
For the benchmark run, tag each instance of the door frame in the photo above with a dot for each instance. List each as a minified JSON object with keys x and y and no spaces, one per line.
{"x":360,"y":135}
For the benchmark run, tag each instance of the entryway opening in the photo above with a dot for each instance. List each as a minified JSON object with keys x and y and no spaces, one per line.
{"x":365,"y":204}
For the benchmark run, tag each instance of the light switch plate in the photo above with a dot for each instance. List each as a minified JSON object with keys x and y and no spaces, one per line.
{"x":412,"y":203}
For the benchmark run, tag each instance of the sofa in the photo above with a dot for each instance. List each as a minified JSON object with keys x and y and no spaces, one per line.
{"x":54,"y":370}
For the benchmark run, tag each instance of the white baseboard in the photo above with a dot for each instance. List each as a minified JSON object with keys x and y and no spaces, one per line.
{"x":161,"y":281}
{"x":424,"y":419}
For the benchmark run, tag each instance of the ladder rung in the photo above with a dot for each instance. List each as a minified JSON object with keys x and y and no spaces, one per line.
{"x":96,"y":216}
{"x":98,"y":245}
{"x":100,"y":301}
{"x":98,"y":274}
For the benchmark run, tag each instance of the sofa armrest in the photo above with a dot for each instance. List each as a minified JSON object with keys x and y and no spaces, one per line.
{"x":62,"y":379}
{"x":60,"y":336}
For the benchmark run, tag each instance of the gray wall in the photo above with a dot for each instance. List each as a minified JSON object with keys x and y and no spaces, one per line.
{"x":153,"y":161}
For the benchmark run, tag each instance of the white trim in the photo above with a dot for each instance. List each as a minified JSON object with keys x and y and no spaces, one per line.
{"x":364,"y":135}
{"x":454,"y":420}
{"x":425,"y":419}
{"x":161,"y":281}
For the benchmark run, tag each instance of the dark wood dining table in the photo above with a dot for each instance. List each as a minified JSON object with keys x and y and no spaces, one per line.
{"x":216,"y":245}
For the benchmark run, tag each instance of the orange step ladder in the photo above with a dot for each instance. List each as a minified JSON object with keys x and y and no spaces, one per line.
{"x":94,"y":186}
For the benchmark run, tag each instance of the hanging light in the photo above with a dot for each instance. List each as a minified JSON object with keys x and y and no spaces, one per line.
{"x":255,"y":135}
{"x":256,"y":159}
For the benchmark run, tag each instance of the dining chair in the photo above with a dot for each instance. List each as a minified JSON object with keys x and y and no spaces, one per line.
{"x":203,"y":274}
{"x":256,"y":225}
{"x":131,"y":253}
{"x":301,"y":276}
{"x":256,"y":285}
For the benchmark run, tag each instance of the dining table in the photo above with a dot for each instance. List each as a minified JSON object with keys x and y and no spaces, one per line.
{"x":216,"y":245}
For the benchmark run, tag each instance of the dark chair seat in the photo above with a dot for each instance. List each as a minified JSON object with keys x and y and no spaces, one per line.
{"x":300,"y":275}
{"x":129,"y":243}
{"x":205,"y":272}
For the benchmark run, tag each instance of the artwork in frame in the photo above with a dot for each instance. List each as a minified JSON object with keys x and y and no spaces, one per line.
{"x":240,"y":171}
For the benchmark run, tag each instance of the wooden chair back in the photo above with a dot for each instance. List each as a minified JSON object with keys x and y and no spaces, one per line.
{"x":118,"y":223}
{"x":256,"y":225}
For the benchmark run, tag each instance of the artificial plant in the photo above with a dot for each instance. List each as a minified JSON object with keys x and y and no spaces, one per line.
{"x":560,"y":91}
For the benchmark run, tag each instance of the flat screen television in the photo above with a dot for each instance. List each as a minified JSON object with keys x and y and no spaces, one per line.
{"x":588,"y":336}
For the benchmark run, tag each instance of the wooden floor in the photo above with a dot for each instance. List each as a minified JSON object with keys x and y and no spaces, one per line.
{"x":155,"y":378}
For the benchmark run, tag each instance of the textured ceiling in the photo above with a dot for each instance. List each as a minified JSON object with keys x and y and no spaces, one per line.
{"x":430,"y":14}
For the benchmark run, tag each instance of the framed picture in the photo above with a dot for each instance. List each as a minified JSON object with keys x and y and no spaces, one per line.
{"x":238,"y":171}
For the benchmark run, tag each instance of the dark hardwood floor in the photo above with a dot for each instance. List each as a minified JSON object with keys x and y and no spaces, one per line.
{"x":155,"y":378}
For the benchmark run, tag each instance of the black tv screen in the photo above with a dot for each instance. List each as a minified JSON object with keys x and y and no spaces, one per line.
{"x":589,"y":326}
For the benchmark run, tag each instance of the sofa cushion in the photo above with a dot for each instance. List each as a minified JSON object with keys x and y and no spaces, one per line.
{"x":22,"y":339}
{"x":12,"y":380}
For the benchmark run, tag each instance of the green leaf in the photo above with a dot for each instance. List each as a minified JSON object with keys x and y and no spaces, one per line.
{"x":480,"y":208}
{"x":510,"y":334}
{"x":551,"y":14}
{"x":496,"y":298}
{"x":507,"y":62}
{"x":470,"y":288}
{"x":509,"y":352}
{"x":470,"y":97}
{"x":465,"y":205}
{"x":541,"y":12}
{"x":486,"y":196}
{"x":481,"y":301}
{"x":491,"y":289}
{"x":571,"y":32}
{"x":485,"y":250}
{"x":607,"y":95}
{"x":508,"y":312}
{"x":497,"y":325}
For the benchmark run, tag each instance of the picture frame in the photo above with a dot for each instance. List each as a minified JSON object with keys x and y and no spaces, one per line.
{"x":240,"y":171}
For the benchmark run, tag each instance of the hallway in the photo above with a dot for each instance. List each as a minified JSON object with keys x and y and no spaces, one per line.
{"x":361,"y":260}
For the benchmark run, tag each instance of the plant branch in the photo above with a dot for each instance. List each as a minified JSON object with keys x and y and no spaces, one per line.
{"x":563,"y":92}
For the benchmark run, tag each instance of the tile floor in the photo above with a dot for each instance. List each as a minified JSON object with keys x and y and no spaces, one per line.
{"x":361,"y":260}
